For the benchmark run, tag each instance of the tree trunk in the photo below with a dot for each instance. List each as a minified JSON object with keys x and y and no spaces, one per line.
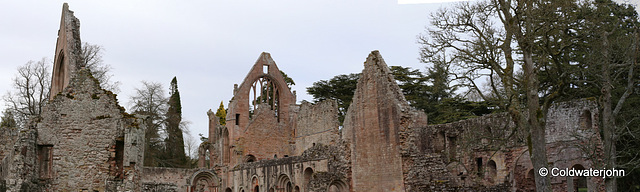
{"x":608,"y":124}
{"x":534,"y":123}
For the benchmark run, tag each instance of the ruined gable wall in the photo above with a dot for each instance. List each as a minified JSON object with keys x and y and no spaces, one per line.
{"x":67,"y":57}
{"x":316,"y":123}
{"x":265,"y":133}
{"x":95,"y":144}
{"x":373,"y":123}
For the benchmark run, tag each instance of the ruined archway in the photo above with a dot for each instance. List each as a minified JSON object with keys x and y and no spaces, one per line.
{"x":578,"y":183}
{"x":284,"y":184}
{"x":204,"y":181}
{"x":338,"y":186}
{"x":307,"y":174}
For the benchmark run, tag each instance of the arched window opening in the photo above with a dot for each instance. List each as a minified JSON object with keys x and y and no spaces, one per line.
{"x":251,"y":158}
{"x":256,"y":187}
{"x":226,"y":150}
{"x":308,"y":172}
{"x":227,"y":190}
{"x":207,"y":158}
{"x":585,"y":120}
{"x":296,"y":189}
{"x":58,"y":84}
{"x":493,"y":171}
{"x":263,"y":91}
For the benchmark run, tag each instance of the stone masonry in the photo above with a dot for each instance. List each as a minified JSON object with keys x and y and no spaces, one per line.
{"x":85,"y":141}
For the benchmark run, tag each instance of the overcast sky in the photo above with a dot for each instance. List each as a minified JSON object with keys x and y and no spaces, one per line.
{"x":211,"y":45}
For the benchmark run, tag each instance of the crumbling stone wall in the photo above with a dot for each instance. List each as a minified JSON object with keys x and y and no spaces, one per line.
{"x":91,"y":141}
{"x":316,"y":124}
{"x":166,"y":179}
{"x":314,"y":170}
{"x":471,"y":148}
{"x":8,"y":137}
{"x":21,"y":170}
{"x":67,"y":58}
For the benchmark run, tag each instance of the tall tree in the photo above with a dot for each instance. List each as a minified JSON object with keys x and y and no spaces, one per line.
{"x":31,"y":90}
{"x":150,"y":100}
{"x":174,"y":143}
{"x":221,"y":113}
{"x":492,"y":40}
{"x":340,"y":88}
{"x":607,"y":69}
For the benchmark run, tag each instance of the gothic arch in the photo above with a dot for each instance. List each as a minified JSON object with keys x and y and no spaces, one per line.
{"x":264,"y":89}
{"x":338,"y":186}
{"x":204,"y":180}
{"x":284,"y":184}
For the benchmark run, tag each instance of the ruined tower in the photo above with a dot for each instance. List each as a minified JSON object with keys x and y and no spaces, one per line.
{"x":68,"y":54}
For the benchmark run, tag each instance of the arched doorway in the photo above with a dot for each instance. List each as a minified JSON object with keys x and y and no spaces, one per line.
{"x":204,"y":181}
{"x":284,"y":184}
{"x":579,"y":183}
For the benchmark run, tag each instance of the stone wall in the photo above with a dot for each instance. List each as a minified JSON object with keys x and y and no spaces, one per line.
{"x":373,"y":125}
{"x":316,"y":123}
{"x":67,"y":59}
{"x":87,"y":141}
{"x":165,"y":179}
{"x":22,"y":172}
{"x":316,"y":169}
{"x":490,"y":152}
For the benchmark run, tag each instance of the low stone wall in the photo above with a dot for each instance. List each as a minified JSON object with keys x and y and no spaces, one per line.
{"x":166,"y":179}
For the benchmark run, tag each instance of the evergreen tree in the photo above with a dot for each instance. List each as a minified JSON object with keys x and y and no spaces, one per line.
{"x":8,"y":120}
{"x":222,"y":114}
{"x":174,"y":143}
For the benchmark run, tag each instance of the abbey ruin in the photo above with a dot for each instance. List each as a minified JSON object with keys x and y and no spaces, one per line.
{"x":85,"y":141}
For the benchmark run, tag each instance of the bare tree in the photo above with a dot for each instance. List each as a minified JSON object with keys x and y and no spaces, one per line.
{"x":151,"y":100}
{"x":508,"y":43}
{"x":31,"y":90}
{"x":92,"y":60}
